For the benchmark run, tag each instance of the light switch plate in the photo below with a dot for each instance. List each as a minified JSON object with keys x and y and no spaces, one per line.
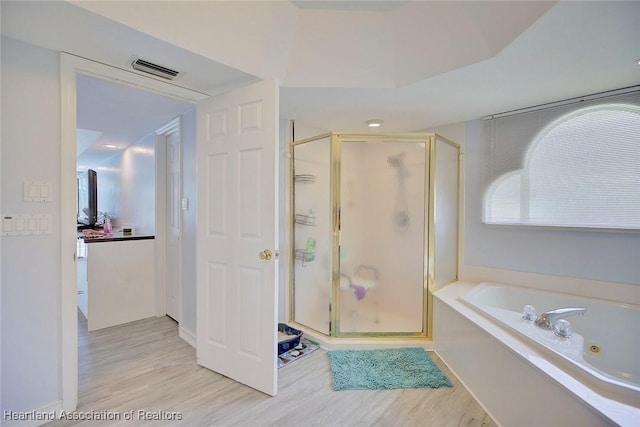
{"x":26,"y":224}
{"x":38,"y":191}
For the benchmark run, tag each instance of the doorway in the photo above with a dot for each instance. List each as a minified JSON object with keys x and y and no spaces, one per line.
{"x":71,"y":67}
{"x":242,"y":125}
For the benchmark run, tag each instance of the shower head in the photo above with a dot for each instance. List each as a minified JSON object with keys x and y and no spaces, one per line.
{"x":396,"y":161}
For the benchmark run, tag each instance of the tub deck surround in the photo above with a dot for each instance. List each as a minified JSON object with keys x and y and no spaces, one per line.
{"x":601,"y":397}
{"x":599,"y":351}
{"x":598,"y":289}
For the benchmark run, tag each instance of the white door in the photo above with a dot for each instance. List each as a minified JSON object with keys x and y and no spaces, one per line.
{"x":237,"y":155}
{"x":174,"y":220}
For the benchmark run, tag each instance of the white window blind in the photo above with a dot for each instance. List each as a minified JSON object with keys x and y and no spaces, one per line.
{"x":571,"y":166}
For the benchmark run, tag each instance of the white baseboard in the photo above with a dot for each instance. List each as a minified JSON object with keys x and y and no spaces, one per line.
{"x":187,"y":336}
{"x":35,"y":417}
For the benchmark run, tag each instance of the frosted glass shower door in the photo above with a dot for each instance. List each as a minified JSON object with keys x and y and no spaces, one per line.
{"x":382,"y":237}
{"x":312,"y":234}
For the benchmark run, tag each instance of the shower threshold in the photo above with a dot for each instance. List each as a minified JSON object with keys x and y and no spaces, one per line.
{"x":363,"y":343}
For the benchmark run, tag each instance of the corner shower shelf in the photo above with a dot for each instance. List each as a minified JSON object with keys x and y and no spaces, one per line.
{"x":305,"y":178}
{"x":305,"y":219}
{"x":304,"y":256}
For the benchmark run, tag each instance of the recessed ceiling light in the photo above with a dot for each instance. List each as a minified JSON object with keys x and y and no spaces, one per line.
{"x":110,"y":146}
{"x":637,"y":61}
{"x":374,"y":123}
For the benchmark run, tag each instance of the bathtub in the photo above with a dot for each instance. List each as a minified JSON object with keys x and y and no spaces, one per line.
{"x":604,"y":349}
{"x":531,"y":372}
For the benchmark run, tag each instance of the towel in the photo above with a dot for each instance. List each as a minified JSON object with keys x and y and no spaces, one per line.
{"x":345,"y":282}
{"x":365,"y":283}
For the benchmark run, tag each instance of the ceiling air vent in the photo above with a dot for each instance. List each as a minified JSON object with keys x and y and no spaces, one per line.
{"x":155,"y":69}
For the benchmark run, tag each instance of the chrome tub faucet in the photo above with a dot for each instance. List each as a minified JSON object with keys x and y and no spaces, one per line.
{"x":548,"y":319}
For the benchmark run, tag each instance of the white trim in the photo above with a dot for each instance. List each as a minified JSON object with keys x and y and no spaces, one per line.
{"x":170,"y":126}
{"x":54,"y":408}
{"x":188,"y":336}
{"x":68,"y":230}
{"x":1,"y":210}
{"x":161,"y":217}
{"x":70,"y":65}
{"x":161,"y":226}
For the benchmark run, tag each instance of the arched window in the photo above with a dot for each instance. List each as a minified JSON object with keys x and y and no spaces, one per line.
{"x":582,"y":170}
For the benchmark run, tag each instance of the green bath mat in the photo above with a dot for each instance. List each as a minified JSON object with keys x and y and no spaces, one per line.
{"x":385,"y":369}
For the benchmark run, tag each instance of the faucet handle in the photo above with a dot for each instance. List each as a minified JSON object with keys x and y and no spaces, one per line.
{"x":529,"y":312}
{"x":562,"y":328}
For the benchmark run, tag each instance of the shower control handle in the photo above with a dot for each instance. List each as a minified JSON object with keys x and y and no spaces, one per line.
{"x":265,"y":255}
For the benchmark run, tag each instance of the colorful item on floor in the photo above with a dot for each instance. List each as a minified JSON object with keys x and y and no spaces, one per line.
{"x":305,"y":347}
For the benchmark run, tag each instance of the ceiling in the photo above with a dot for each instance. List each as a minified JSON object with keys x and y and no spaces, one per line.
{"x":112,"y":116}
{"x":414,"y":64}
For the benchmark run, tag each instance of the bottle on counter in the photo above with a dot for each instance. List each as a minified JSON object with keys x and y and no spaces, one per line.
{"x":107,"y":228}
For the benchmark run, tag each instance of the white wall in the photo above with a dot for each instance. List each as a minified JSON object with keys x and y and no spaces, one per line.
{"x":30,"y":264}
{"x":108,"y":179}
{"x":127,"y":186}
{"x":510,"y":251}
{"x":1,"y":210}
{"x":30,"y":294}
{"x":595,"y":255}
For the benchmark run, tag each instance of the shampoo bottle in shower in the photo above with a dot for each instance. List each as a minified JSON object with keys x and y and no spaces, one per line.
{"x":309,"y":250}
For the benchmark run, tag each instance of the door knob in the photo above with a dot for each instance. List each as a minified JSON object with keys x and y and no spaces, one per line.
{"x":265,"y":255}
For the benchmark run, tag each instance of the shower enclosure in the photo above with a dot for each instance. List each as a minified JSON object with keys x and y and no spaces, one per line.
{"x":374,"y":231}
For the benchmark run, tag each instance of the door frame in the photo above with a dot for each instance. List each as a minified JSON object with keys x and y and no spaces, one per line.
{"x":161,"y":218}
{"x":70,"y":66}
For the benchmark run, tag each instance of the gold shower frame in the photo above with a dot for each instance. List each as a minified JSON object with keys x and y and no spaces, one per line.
{"x":429,"y":263}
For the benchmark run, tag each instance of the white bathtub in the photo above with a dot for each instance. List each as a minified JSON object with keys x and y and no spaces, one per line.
{"x":604,"y":350}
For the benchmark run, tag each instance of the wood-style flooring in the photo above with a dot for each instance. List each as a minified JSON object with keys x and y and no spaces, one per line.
{"x":144,"y":365}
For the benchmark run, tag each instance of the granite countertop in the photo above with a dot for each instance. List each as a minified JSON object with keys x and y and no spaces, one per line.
{"x":96,"y":236}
